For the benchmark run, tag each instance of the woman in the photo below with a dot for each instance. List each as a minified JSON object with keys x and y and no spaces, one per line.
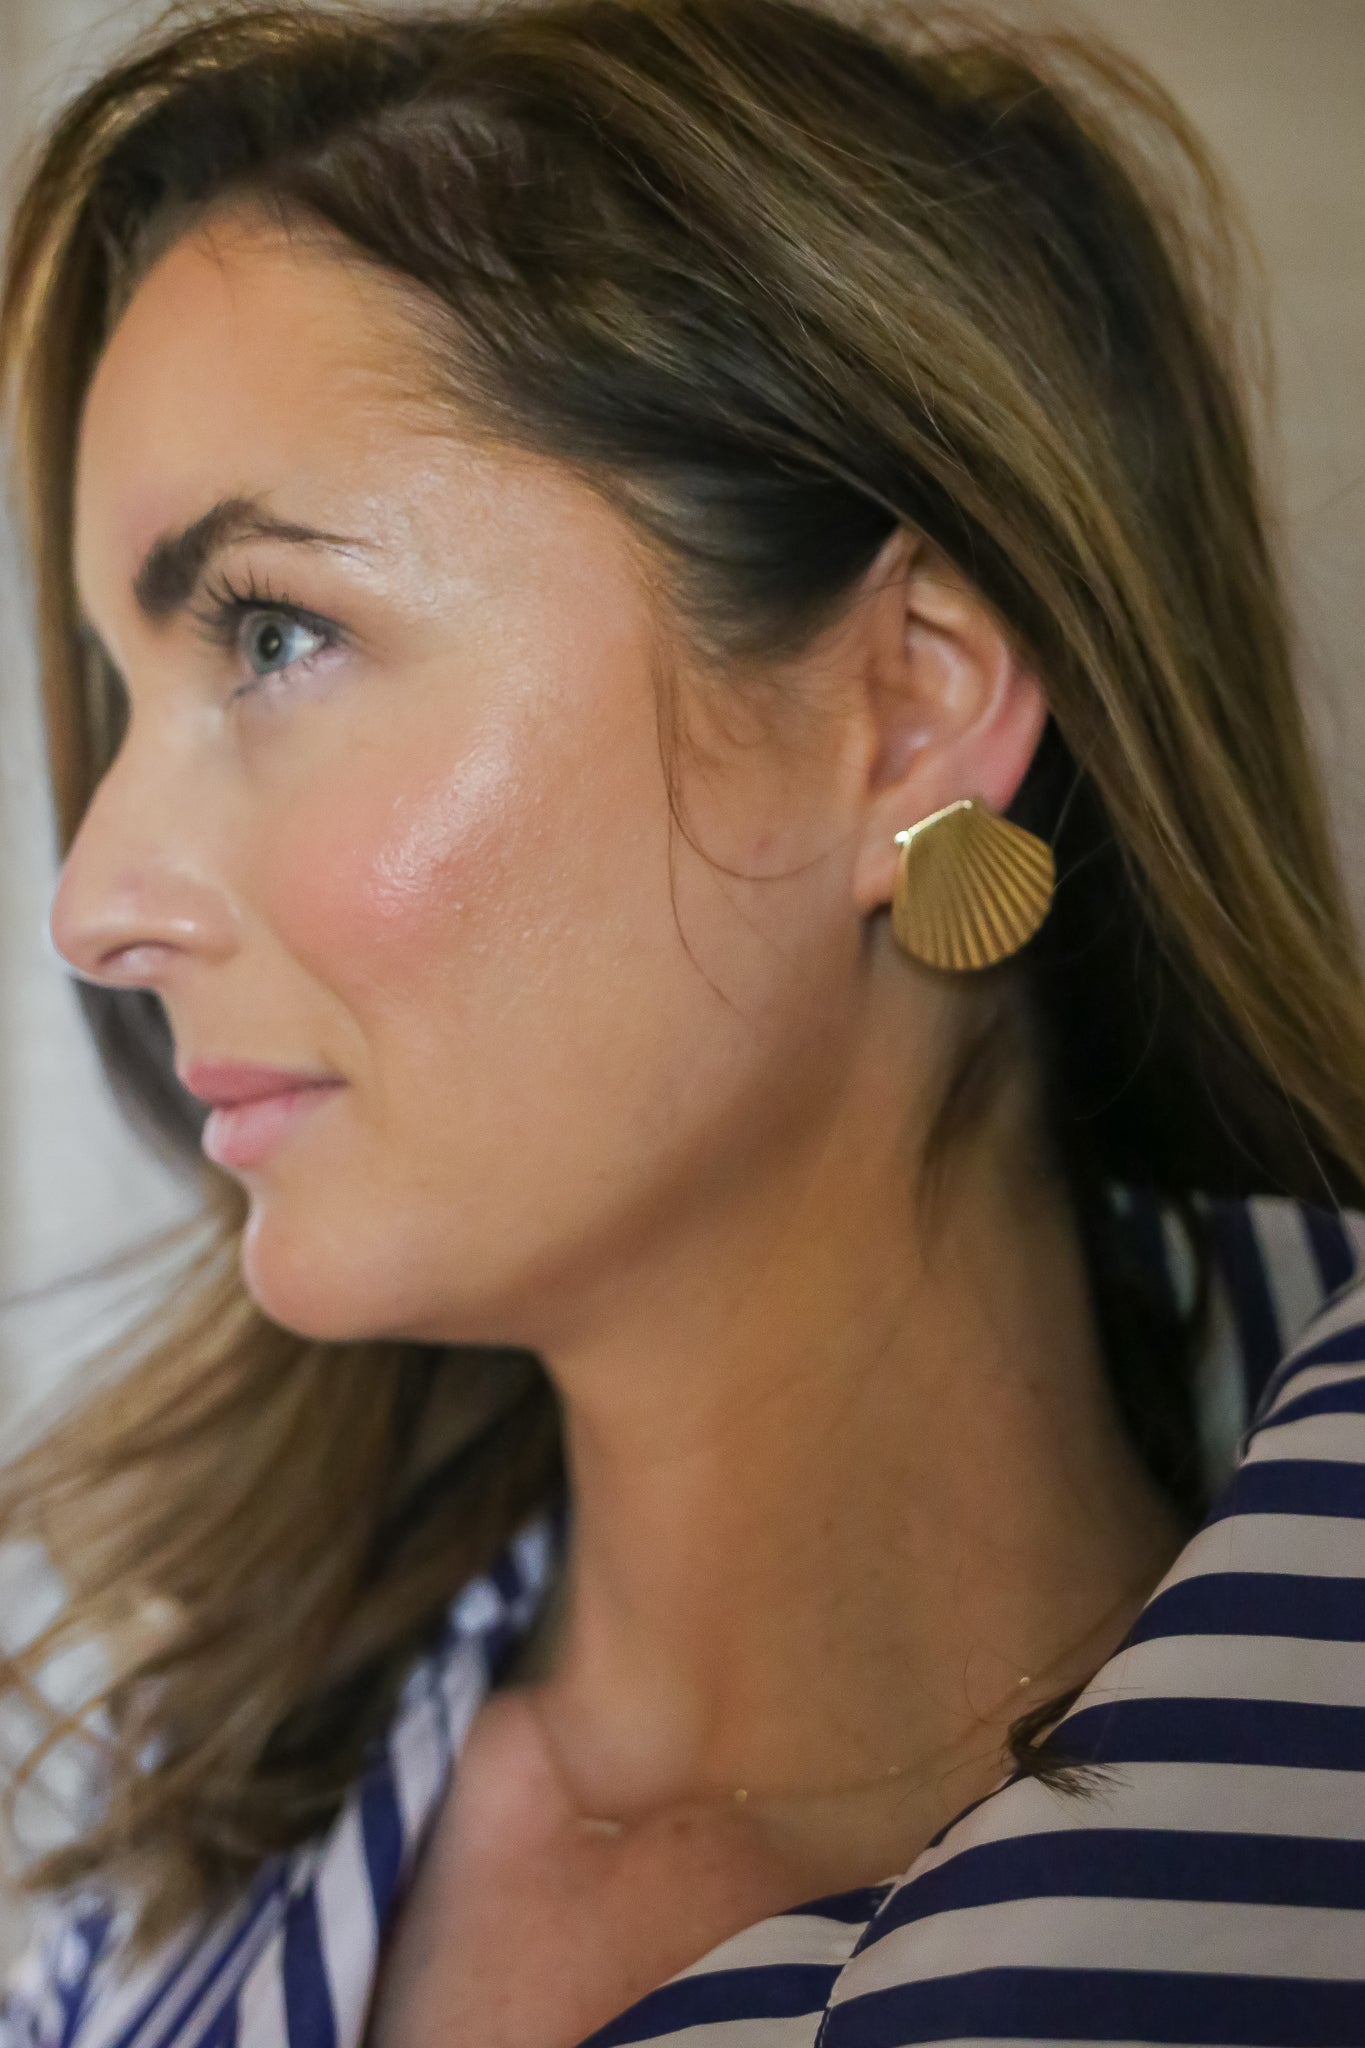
{"x":559,"y":538}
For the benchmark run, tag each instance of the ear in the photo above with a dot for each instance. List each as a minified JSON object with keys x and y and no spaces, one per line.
{"x":950,"y":709}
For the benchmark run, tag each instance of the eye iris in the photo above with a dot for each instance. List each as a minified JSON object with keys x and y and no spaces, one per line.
{"x":270,"y":641}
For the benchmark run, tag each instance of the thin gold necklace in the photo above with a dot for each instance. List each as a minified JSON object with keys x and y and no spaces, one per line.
{"x":740,"y":1795}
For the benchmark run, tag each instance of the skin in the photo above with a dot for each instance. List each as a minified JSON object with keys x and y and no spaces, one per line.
{"x":843,"y":1470}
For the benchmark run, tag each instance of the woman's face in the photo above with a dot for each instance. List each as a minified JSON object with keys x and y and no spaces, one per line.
{"x":391,"y":809}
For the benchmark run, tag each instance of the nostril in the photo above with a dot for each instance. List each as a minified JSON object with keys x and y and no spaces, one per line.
{"x":136,"y":929}
{"x":142,"y":965}
{"x":107,"y":957}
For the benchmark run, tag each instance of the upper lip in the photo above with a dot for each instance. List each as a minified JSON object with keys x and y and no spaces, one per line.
{"x":227,"y":1082}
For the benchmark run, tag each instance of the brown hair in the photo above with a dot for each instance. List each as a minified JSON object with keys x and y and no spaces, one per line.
{"x":773,"y":280}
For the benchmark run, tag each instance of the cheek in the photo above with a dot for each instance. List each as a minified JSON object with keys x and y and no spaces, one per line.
{"x":386,"y":880}
{"x":473,"y":916}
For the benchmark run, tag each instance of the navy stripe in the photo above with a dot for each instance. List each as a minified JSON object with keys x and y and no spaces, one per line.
{"x":777,"y":1991}
{"x":505,"y":1574}
{"x":1345,"y":1346}
{"x":163,"y":1990}
{"x":1105,"y":2005}
{"x":381,"y":1829}
{"x":1342,"y":1397}
{"x":1294,"y":1486}
{"x":954,"y":1821}
{"x":268,"y":1883}
{"x":1319,"y":1609}
{"x":1334,"y":1252}
{"x":499,"y":1645}
{"x":93,"y":1928}
{"x":1232,"y":1236}
{"x":223,"y":2032}
{"x":1217,"y":1731}
{"x":1137,"y":1863}
{"x":307,"y":1994}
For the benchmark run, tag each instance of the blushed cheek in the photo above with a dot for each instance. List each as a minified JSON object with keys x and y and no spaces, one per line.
{"x":385,"y":886}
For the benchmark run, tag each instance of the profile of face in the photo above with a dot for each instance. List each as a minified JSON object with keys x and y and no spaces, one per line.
{"x":391,"y":808}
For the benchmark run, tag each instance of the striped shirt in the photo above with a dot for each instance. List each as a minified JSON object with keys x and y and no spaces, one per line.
{"x":1209,"y":1888}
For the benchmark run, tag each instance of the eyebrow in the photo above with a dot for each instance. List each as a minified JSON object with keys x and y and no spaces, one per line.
{"x":170,"y":571}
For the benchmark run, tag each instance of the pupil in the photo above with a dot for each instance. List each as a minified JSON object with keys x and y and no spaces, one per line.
{"x":270,"y":642}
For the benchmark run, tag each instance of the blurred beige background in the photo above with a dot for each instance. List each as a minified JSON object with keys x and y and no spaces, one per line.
{"x":1278,"y":88}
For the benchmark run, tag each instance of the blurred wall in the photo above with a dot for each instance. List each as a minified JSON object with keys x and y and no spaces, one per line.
{"x":1277,"y":86}
{"x":71,"y":1183}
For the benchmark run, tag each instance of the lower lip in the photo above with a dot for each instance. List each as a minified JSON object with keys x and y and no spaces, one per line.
{"x":247,"y":1133}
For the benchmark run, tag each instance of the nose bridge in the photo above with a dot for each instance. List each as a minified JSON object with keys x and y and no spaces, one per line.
{"x":144,"y":885}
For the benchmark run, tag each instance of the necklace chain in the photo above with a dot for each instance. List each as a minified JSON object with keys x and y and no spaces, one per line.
{"x":740,"y":1795}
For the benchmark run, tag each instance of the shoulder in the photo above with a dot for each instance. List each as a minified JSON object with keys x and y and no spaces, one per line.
{"x":1204,"y":1882}
{"x":1207,"y":1882}
{"x":294,"y":1958}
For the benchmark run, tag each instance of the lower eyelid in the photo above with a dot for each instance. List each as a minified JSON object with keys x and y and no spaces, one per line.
{"x":271,"y":679}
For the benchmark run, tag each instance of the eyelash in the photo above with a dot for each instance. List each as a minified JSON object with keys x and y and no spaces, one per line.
{"x":226,"y":607}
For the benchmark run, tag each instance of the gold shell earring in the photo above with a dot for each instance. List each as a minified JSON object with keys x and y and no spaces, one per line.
{"x":971,"y":888}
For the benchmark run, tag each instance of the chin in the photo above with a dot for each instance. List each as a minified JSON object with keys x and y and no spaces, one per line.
{"x":305,"y":1286}
{"x":336,"y":1283}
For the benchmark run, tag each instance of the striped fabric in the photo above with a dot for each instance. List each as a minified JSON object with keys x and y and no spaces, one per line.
{"x":1208,"y":1888}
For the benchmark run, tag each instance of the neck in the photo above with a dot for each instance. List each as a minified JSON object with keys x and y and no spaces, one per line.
{"x":839,"y":1484}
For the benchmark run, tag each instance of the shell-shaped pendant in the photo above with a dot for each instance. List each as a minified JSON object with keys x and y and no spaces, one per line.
{"x":971,"y":888}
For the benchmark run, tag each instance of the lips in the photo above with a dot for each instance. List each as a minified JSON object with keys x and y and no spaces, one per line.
{"x":226,"y":1083}
{"x":253,"y":1107}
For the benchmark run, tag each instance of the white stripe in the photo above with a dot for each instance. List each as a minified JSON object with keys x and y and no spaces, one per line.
{"x":418,"y":1759}
{"x":1334,"y":1438}
{"x":346,"y":1925}
{"x":1202,"y":1798}
{"x":1186,"y":1935}
{"x":1303,"y":1546}
{"x":183,"y":2002}
{"x":786,"y":1938}
{"x":120,"y":1997}
{"x":1348,"y":1308}
{"x":228,"y":1989}
{"x":1248,"y":1667}
{"x":261,"y":1937}
{"x":1310,"y":1379}
{"x":1291,"y":1271}
{"x":261,"y":2021}
{"x":534,"y":1551}
{"x":479,"y":1605}
{"x":463,"y":1681}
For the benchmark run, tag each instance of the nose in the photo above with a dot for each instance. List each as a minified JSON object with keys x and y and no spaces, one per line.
{"x":142,"y":893}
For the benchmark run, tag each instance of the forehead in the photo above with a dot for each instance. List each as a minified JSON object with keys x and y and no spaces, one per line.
{"x":248,"y":359}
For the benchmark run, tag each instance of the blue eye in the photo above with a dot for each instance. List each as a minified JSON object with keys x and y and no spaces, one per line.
{"x":273,"y":641}
{"x":263,"y":631}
